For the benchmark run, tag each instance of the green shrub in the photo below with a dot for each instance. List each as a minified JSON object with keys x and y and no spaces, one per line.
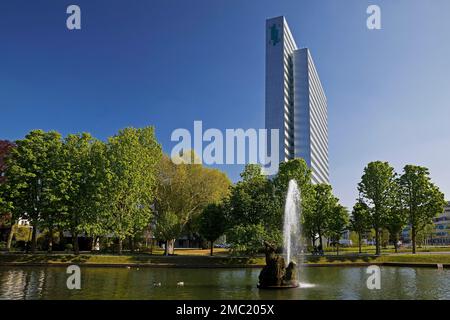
{"x":246,"y":239}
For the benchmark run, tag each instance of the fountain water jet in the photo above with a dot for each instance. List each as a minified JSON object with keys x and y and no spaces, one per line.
{"x":276,"y":275}
{"x":291,"y":225}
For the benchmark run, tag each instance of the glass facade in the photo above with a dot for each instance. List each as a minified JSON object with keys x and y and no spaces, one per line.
{"x":296,"y":104}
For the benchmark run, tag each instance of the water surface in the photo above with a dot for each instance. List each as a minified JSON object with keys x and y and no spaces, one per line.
{"x":123,"y":283}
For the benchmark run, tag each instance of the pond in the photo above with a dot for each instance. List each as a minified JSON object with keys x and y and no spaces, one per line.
{"x":134,"y":283}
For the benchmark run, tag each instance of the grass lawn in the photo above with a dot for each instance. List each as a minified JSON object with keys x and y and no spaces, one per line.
{"x":389,"y":249}
{"x":199,"y":252}
{"x":221,"y":258}
{"x":416,"y":258}
{"x":216,"y":261}
{"x":388,"y":258}
{"x":141,"y":259}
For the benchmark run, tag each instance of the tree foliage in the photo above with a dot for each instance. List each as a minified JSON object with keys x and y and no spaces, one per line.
{"x":248,"y":239}
{"x":316,"y":216}
{"x":133,"y":156}
{"x":185,"y":189}
{"x":295,"y":169}
{"x":396,"y":217}
{"x":37,"y":181}
{"x":422,"y":200}
{"x":377,"y":190}
{"x":360,"y":220}
{"x":85,"y":198}
{"x":253,"y":206}
{"x":5,"y":150}
{"x":212,"y":223}
{"x":337,"y":224}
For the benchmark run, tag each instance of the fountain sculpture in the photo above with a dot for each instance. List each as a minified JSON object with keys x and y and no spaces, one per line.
{"x":276,"y":275}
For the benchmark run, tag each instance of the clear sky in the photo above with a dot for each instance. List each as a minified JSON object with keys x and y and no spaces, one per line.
{"x":167,"y":63}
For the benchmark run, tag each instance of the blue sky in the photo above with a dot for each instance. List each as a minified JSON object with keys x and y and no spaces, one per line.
{"x":167,"y":63}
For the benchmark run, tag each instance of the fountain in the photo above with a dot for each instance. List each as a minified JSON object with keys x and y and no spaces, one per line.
{"x":276,"y":275}
{"x":291,"y":225}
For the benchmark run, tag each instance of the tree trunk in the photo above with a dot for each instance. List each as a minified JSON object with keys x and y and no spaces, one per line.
{"x":93,"y":243}
{"x":76,"y":247}
{"x":413,"y":239}
{"x":320,"y":240}
{"x":171,"y":246}
{"x":34,"y":240}
{"x":10,"y":237}
{"x":62,"y":240}
{"x":50,"y":240}
{"x":377,"y":241}
{"x":131,"y":243}
{"x":120,"y":246}
{"x":395,"y":244}
{"x":212,"y":248}
{"x":166,"y":248}
{"x":337,"y":248}
{"x":359,"y":242}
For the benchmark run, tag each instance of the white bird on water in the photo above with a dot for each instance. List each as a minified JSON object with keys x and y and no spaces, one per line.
{"x":180,"y":284}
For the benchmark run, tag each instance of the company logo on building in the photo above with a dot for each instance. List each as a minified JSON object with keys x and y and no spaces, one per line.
{"x":274,"y":35}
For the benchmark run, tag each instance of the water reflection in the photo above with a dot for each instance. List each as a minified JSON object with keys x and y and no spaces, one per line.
{"x":133,"y":283}
{"x":22,"y":284}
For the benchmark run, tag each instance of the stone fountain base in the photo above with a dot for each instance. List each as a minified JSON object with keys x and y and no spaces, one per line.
{"x":286,"y":286}
{"x":275,"y":275}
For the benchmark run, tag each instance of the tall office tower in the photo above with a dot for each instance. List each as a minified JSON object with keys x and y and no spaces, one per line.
{"x":295,"y":101}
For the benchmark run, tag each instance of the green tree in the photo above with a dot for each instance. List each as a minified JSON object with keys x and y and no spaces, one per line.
{"x":36,"y":181}
{"x":360,"y":221}
{"x":205,"y":186}
{"x":167,"y":227}
{"x":5,"y":216}
{"x":377,"y":191}
{"x":253,"y":211}
{"x":5,"y":150}
{"x":337,"y":224}
{"x":57,"y":175}
{"x":248,"y":239}
{"x":396,"y":218}
{"x":212,"y":223}
{"x":185,"y":189}
{"x":132,"y":156}
{"x":424,"y":234}
{"x":421,"y":199}
{"x":298,"y":170}
{"x":317,"y":216}
{"x":85,"y":196}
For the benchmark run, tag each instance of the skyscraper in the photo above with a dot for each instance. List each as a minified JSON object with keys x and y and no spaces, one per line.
{"x":295,"y":101}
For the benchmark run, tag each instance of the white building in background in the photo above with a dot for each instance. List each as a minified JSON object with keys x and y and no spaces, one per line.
{"x":441,"y":232}
{"x":295,"y":101}
{"x":439,"y":235}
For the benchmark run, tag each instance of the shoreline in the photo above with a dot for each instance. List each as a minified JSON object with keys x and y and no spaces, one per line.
{"x":219,"y":261}
{"x":217,"y":266}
